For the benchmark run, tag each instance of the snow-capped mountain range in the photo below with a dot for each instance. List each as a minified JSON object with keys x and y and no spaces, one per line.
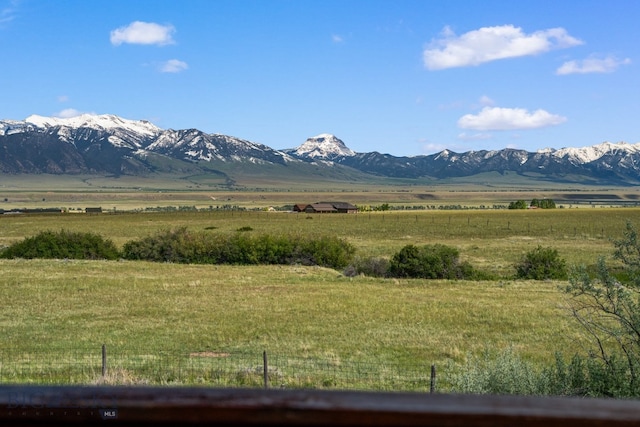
{"x":111,"y":144}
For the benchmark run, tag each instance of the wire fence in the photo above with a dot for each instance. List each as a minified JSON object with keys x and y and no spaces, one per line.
{"x":98,"y":366}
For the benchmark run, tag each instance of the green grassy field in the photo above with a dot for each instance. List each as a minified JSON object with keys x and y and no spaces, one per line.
{"x":143,"y":309}
{"x":491,"y":239}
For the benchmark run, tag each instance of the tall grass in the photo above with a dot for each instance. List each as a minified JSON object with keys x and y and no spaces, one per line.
{"x":307,"y":312}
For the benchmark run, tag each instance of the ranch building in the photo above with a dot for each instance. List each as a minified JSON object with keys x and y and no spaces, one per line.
{"x":326,"y":207}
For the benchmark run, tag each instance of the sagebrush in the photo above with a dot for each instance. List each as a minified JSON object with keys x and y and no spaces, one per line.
{"x":435,"y":261}
{"x":63,"y":244}
{"x":241,"y":248}
{"x":541,"y":264}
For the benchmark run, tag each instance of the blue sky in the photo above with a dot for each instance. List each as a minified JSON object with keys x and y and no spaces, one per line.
{"x":401,"y":77}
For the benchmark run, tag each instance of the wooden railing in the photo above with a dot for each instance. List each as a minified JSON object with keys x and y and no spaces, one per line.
{"x":163,"y":406}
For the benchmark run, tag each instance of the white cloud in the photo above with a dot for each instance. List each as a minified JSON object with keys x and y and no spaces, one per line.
{"x":592,"y":64}
{"x":485,"y":101}
{"x":8,"y":13}
{"x":143,"y":33}
{"x":63,"y":98}
{"x":492,"y":43}
{"x":68,"y":113}
{"x":173,"y":66}
{"x":432,"y":147}
{"x":336,"y":38}
{"x":495,"y":118}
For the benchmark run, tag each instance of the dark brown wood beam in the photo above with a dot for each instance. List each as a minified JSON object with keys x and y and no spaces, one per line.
{"x":164,"y":406}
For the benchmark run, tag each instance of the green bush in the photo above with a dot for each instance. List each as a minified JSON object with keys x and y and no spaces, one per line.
{"x":182,"y":246}
{"x":520,"y":204}
{"x":543,"y":203}
{"x":499,"y":373}
{"x":590,"y":376}
{"x":274,"y":249}
{"x":371,"y":266}
{"x":435,"y":261}
{"x":326,"y":251}
{"x":63,"y":244}
{"x":506,"y":373}
{"x":540,"y":264}
{"x":606,"y":306}
{"x":163,"y":247}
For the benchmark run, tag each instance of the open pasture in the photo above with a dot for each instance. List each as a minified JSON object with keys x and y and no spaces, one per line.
{"x":144,"y":308}
{"x":490,"y":239}
{"x":127,"y":193}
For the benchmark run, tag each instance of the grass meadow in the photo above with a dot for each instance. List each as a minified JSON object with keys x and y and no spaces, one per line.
{"x":304,"y":313}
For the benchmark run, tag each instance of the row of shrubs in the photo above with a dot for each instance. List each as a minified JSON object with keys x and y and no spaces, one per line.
{"x":436,"y":261}
{"x":439,"y":261}
{"x":183,"y":246}
{"x":426,"y":262}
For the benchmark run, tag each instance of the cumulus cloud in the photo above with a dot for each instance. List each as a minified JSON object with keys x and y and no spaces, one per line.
{"x":139,"y":32}
{"x":496,"y":118}
{"x":592,"y":64}
{"x":492,"y":43}
{"x":173,"y":66}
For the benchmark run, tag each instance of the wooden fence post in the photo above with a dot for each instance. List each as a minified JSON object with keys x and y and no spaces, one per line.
{"x":104,"y":360}
{"x":265,"y":369}
{"x":432,"y":388}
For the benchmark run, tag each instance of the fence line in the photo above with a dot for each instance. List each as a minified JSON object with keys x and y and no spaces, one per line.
{"x":103,"y":366}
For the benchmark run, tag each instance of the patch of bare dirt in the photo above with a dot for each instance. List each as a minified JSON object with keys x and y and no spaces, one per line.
{"x":209,"y":354}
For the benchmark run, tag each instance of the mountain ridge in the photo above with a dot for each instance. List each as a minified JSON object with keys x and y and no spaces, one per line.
{"x":111,"y":144}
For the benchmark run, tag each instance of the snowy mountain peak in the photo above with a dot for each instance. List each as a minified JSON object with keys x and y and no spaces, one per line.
{"x":324,"y":146}
{"x":595,"y":152}
{"x":93,"y":121}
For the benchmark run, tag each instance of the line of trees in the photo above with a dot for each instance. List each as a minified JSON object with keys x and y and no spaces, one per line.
{"x":535,"y":203}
